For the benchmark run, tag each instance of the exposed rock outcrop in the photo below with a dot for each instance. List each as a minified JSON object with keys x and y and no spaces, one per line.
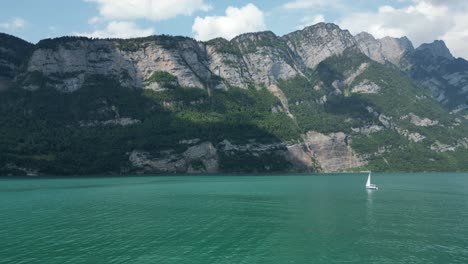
{"x":418,"y":121}
{"x":124,"y":121}
{"x":318,"y":42}
{"x":411,"y":136}
{"x":367,"y":130}
{"x":431,"y":64}
{"x":366,"y":87}
{"x":441,"y":147}
{"x":202,"y":157}
{"x":384,"y":50}
{"x":436,"y":49}
{"x":333,"y":151}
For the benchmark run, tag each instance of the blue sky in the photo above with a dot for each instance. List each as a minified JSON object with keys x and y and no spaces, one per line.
{"x":420,"y":20}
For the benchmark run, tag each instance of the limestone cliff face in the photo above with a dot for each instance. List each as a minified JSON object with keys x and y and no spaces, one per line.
{"x":249,"y":61}
{"x":253,"y":59}
{"x":446,"y":77}
{"x":267,"y":57}
{"x":316,"y":43}
{"x":205,"y":157}
{"x":384,"y":50}
{"x":436,"y":49}
{"x":431,"y":64}
{"x":198,"y":158}
{"x":69,"y":63}
{"x":333,"y":151}
{"x":225,"y":60}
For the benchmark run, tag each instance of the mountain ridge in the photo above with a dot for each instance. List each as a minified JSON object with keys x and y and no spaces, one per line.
{"x":318,"y":99}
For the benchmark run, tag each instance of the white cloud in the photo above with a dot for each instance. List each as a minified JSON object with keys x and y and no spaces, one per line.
{"x":457,"y":37}
{"x":444,"y":2}
{"x":94,"y":20}
{"x":119,"y":29}
{"x":306,"y":4}
{"x":310,"y":20}
{"x":421,"y":22}
{"x":14,"y":23}
{"x":236,"y":21}
{"x":155,"y":10}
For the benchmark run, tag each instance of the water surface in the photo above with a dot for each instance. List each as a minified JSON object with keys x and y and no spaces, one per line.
{"x":413,"y":218}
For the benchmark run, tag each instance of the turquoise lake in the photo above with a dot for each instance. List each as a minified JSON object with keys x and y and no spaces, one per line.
{"x":413,"y":218}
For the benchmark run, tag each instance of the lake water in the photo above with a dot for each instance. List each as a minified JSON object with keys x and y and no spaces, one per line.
{"x":413,"y":218}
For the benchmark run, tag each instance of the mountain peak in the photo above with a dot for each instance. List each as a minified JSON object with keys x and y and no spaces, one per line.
{"x":327,"y":27}
{"x":387,"y":49}
{"x":317,"y":42}
{"x":255,"y":36}
{"x":436,"y":49}
{"x":364,"y":36}
{"x":323,"y":25}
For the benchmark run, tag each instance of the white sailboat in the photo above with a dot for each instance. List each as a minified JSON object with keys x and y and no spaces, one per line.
{"x":369,"y":185}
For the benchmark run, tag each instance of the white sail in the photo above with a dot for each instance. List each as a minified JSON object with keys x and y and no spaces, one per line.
{"x":368,"y":181}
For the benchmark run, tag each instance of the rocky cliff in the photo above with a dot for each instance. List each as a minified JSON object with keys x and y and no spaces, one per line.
{"x":384,"y":50}
{"x":431,"y":65}
{"x":317,"y":99}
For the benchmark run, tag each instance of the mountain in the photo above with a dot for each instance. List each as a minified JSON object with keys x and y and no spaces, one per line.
{"x":13,"y":52}
{"x":430,"y":65}
{"x":318,"y":99}
{"x":384,"y":50}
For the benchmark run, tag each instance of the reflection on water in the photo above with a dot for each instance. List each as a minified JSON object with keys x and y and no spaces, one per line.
{"x":369,"y":206}
{"x":369,"y":198}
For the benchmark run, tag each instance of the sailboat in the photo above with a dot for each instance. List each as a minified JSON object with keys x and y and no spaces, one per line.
{"x":369,"y":185}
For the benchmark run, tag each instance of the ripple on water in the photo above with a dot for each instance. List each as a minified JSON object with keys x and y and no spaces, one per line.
{"x":278,"y":219}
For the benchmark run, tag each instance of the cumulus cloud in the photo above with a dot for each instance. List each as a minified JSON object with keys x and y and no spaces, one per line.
{"x":14,"y":23}
{"x":236,"y":21}
{"x":94,"y":20}
{"x":444,"y":2}
{"x":310,"y":20}
{"x":155,"y":10}
{"x":119,"y":29}
{"x":421,"y":20}
{"x":305,"y":4}
{"x":457,"y":37}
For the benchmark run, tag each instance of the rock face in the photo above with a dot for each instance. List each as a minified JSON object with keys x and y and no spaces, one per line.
{"x":267,"y":57}
{"x":384,"y":50}
{"x":318,"y":42}
{"x":431,"y":64}
{"x":253,"y":59}
{"x":324,"y":79}
{"x":446,"y":77}
{"x":418,"y":121}
{"x":225,"y":61}
{"x":205,"y":157}
{"x":332,"y":151}
{"x":436,"y":49}
{"x":256,"y":58}
{"x":366,"y":87}
{"x":199,"y":158}
{"x":69,"y":63}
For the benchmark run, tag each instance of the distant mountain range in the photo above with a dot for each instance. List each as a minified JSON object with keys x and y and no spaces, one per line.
{"x":317,"y":99}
